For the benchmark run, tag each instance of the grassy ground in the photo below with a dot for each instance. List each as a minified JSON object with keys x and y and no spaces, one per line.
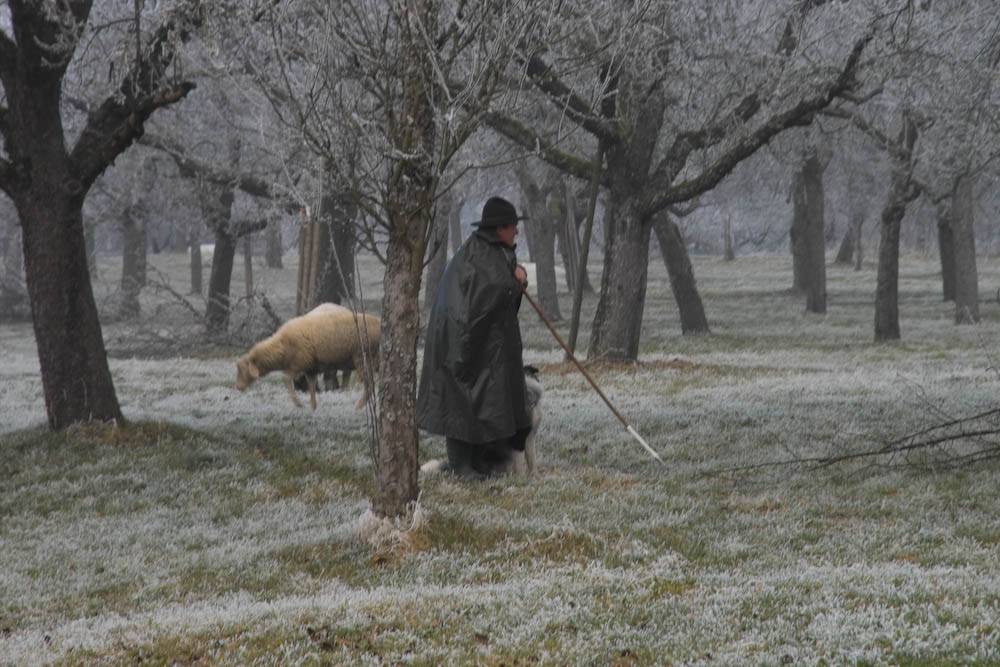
{"x":226,"y":527}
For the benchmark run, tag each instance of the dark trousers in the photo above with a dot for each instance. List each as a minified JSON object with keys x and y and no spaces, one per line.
{"x":479,"y":460}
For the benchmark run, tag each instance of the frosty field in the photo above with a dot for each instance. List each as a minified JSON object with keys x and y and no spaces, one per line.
{"x":220,"y":527}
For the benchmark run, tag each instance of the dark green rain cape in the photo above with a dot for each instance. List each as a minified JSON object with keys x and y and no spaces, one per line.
{"x":472,"y":382}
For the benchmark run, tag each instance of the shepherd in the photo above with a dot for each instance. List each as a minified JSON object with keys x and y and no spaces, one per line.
{"x":472,"y":387}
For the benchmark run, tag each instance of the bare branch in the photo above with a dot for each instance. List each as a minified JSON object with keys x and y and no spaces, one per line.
{"x":528,"y":139}
{"x":575,"y":107}
{"x":800,"y":113}
{"x":190,"y":166}
{"x":113,"y":127}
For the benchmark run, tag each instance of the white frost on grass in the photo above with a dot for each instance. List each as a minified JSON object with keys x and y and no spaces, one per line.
{"x":248,"y":526}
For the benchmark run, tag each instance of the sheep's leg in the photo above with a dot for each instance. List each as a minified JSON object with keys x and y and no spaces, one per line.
{"x":311,"y":381}
{"x":345,"y":378}
{"x":290,"y":384}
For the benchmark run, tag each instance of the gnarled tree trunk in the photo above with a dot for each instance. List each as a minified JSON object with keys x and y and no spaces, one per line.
{"x":618,"y":320}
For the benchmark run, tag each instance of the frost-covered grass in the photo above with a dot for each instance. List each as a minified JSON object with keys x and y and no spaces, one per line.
{"x":223,"y":527}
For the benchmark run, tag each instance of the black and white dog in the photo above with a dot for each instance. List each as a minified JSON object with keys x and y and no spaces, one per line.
{"x":522,"y":463}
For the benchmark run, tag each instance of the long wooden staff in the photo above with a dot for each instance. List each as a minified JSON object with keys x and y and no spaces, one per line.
{"x":569,"y":354}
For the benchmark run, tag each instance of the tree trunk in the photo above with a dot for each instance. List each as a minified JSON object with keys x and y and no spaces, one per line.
{"x":845,"y":253}
{"x":76,"y":379}
{"x":618,"y":320}
{"x":396,"y":482}
{"x":816,"y":243}
{"x":900,"y":194}
{"x":48,"y":181}
{"x":272,"y":252}
{"x":411,"y":189}
{"x":219,"y":280}
{"x":966,"y":274}
{"x":337,"y":250}
{"x":682,"y":282}
{"x":807,"y":231}
{"x":946,"y":250}
{"x":728,"y":253}
{"x":195,"y":256}
{"x":850,"y":247}
{"x":569,"y":242}
{"x":216,"y":205}
{"x":133,"y":260}
{"x":568,"y":237}
{"x":887,"y":284}
{"x":248,"y":266}
{"x":798,"y":235}
{"x":859,"y":246}
{"x":539,"y":229}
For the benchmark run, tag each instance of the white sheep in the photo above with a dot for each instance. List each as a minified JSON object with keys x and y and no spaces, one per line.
{"x":329,"y":309}
{"x":329,"y":373}
{"x":309,"y":344}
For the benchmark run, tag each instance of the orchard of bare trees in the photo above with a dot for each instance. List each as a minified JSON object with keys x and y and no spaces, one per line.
{"x":847,"y":128}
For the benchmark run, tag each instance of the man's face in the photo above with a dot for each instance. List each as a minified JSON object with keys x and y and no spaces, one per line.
{"x":506,"y":234}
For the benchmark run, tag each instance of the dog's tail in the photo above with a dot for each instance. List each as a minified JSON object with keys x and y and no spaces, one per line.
{"x":434,"y":466}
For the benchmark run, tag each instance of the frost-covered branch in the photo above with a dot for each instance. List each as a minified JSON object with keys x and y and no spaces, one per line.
{"x":801,"y":113}
{"x":120,"y":119}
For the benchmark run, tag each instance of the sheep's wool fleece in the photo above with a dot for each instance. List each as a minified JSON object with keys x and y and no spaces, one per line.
{"x":302,"y":343}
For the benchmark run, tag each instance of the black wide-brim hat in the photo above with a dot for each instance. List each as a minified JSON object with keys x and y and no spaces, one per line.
{"x":497,"y":212}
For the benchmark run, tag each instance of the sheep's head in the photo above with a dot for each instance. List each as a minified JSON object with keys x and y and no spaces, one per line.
{"x":246,"y":373}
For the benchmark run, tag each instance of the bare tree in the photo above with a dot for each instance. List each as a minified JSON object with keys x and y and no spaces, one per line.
{"x":47,"y":173}
{"x":676,"y":110}
{"x":386,"y":94}
{"x":942,"y":86}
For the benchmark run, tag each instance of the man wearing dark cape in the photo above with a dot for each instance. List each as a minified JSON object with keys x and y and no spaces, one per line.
{"x":472,"y":388}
